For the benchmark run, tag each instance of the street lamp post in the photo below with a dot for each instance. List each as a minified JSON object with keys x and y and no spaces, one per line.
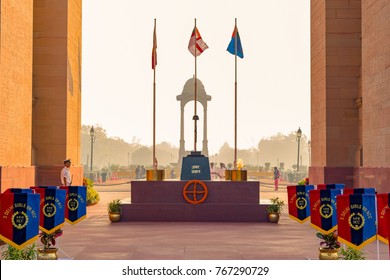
{"x":309,"y":148}
{"x":299,"y":134}
{"x":92,"y":133}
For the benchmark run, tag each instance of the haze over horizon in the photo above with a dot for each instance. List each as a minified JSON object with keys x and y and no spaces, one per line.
{"x":273,"y":76}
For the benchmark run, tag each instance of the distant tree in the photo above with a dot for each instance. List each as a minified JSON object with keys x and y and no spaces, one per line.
{"x":142,"y":156}
{"x":283,"y":147}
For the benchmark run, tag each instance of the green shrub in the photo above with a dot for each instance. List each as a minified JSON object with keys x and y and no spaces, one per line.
{"x":27,"y":253}
{"x":352,"y":254}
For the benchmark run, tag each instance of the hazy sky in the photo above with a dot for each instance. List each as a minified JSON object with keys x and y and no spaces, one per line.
{"x":273,"y":77}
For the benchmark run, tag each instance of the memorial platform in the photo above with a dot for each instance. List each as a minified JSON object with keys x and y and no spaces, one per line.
{"x":164,"y":201}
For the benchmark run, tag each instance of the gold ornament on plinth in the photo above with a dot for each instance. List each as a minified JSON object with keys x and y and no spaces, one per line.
{"x":239,"y":175}
{"x":47,"y":254}
{"x":155,"y":175}
{"x":228,"y":175}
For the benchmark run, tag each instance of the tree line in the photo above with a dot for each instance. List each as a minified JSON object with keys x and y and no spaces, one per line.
{"x":275,"y":150}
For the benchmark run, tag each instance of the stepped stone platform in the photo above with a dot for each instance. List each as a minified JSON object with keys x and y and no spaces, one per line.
{"x":164,"y":201}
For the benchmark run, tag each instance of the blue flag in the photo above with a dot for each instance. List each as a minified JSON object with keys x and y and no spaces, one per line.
{"x":232,"y":44}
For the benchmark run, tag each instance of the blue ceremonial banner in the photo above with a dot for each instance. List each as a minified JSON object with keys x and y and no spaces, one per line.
{"x":356,"y":219}
{"x":44,"y":187}
{"x":76,"y":203}
{"x":19,"y":218}
{"x":323,"y":213}
{"x":52,"y":206}
{"x":18,"y":190}
{"x":299,"y":202}
{"x":359,"y":191}
{"x":330,"y":186}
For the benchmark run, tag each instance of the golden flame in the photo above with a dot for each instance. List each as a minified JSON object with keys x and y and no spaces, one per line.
{"x":240,"y":164}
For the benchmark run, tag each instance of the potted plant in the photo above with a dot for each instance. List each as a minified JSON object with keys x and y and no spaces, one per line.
{"x":114,"y":210}
{"x":49,"y":252}
{"x":352,"y":254}
{"x":329,"y":246}
{"x":275,"y":209}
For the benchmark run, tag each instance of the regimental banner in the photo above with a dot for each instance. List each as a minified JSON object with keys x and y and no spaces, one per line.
{"x":359,"y":191}
{"x":76,"y":203}
{"x":323,"y":214}
{"x":44,"y":187}
{"x":52,"y":205}
{"x":330,"y":186}
{"x":19,"y":218}
{"x":356,"y":219}
{"x":388,"y":225}
{"x":383,"y":203}
{"x":18,"y":190}
{"x":299,"y":202}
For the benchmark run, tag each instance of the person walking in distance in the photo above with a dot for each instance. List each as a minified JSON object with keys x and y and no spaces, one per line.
{"x":66,"y":176}
{"x":276,"y":178}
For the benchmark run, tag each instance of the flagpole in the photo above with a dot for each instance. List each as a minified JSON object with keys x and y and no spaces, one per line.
{"x":154,"y":174}
{"x":154,"y":108}
{"x":235,"y":94}
{"x":195,"y":117}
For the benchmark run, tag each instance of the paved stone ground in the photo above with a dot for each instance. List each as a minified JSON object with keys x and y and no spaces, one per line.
{"x":96,"y":238}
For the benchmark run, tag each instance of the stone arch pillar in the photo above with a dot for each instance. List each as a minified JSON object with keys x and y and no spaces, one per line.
{"x":186,"y":96}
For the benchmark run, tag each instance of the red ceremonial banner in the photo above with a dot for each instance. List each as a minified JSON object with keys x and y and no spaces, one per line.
{"x":383,"y":203}
{"x":76,"y":203}
{"x":299,"y":202}
{"x":323,"y":215}
{"x":388,"y":225}
{"x":356,"y":219}
{"x":52,"y":208}
{"x":19,"y":218}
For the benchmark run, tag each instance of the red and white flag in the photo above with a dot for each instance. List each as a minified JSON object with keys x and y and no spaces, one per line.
{"x":196,"y":45}
{"x":154,"y":50}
